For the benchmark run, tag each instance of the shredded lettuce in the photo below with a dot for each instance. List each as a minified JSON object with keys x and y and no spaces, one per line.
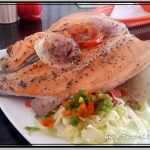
{"x":92,"y":135}
{"x":119,"y":125}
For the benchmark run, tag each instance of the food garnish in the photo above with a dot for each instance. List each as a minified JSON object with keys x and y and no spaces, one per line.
{"x":31,"y":129}
{"x":96,"y":118}
{"x":28,"y":104}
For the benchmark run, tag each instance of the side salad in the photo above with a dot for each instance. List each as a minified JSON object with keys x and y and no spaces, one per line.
{"x":97,"y":118}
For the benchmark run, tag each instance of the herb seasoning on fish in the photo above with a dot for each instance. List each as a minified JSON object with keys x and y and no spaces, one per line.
{"x":23,"y":84}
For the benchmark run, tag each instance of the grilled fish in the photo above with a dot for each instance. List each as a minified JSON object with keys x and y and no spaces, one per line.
{"x":79,"y":51}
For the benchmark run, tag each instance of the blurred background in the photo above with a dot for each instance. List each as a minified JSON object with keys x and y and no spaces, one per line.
{"x":37,"y":17}
{"x":21,"y":20}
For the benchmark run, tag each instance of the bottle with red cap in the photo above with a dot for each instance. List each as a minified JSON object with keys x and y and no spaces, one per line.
{"x":29,"y":11}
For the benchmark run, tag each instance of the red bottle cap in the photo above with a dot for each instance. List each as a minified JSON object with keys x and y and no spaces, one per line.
{"x":29,"y":11}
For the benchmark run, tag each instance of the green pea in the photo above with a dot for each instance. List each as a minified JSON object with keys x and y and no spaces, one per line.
{"x":74,"y":120}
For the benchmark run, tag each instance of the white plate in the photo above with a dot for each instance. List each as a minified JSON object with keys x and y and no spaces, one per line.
{"x":21,"y":116}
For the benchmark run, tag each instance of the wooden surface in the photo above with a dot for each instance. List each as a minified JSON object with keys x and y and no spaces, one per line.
{"x":11,"y":33}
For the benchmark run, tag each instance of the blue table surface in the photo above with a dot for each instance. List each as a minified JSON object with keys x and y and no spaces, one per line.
{"x":11,"y":33}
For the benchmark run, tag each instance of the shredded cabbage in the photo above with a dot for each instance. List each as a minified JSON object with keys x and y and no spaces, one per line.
{"x":121,"y":125}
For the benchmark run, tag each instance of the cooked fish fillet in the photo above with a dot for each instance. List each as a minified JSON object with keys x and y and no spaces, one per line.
{"x":42,"y":106}
{"x":33,"y":68}
{"x":113,"y":63}
{"x":20,"y":52}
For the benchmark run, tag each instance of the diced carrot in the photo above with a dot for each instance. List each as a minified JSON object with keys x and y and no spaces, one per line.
{"x":83,"y":107}
{"x":91,"y":108}
{"x":28,"y":104}
{"x":64,"y":102}
{"x":48,"y":122}
{"x":45,"y":122}
{"x":68,"y":112}
{"x":83,"y":110}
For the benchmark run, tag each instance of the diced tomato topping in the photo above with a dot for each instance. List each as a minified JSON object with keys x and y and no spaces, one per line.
{"x":91,"y":43}
{"x":28,"y":104}
{"x":114,"y":93}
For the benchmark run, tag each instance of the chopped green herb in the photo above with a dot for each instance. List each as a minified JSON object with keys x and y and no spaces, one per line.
{"x":74,"y":121}
{"x":105,"y":103}
{"x":81,"y":100}
{"x":93,"y":98}
{"x":86,"y":99}
{"x":31,"y":129}
{"x":76,"y":96}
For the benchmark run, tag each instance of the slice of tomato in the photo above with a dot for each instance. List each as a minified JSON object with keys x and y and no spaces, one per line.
{"x":91,"y":43}
{"x":114,"y":93}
